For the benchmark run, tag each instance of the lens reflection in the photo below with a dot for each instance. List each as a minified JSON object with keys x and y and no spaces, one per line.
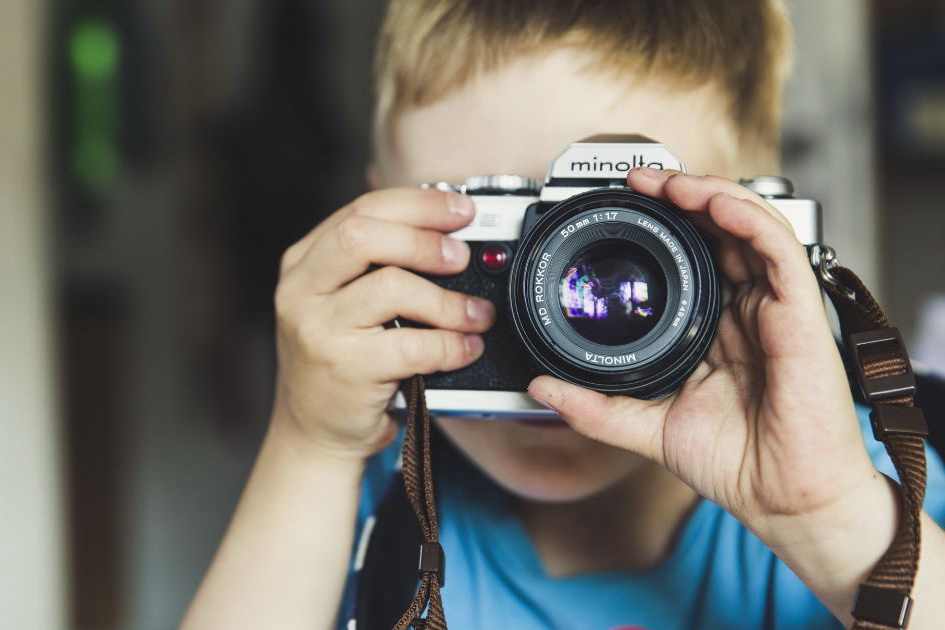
{"x":613,"y":293}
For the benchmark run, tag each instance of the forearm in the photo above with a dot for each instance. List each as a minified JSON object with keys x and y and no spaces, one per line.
{"x":284,"y":559}
{"x":834,"y":552}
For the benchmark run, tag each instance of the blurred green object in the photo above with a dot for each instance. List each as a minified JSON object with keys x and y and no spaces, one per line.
{"x":94,"y":50}
{"x":95,"y":55}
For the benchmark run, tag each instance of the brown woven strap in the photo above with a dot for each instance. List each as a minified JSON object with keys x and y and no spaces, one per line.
{"x":884,"y":600}
{"x":418,"y":481}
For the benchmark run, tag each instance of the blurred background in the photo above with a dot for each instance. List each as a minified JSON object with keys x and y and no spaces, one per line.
{"x":156,"y":157}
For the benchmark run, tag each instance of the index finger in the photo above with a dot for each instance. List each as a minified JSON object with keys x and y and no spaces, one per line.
{"x":693,"y":192}
{"x":429,"y":209}
{"x":743,"y":215}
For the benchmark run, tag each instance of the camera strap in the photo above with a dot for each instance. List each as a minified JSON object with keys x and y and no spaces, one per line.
{"x":885,"y":377}
{"x":884,"y":374}
{"x":418,"y":482}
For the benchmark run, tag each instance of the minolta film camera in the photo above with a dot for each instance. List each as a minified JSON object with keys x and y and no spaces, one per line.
{"x":593,"y":283}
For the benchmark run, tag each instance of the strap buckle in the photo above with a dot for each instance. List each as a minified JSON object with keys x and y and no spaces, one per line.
{"x":865,"y":347}
{"x":433,"y":560}
{"x":885,"y":606}
{"x":898,"y":420}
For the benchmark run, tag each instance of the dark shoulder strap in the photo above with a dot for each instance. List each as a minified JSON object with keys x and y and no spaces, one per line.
{"x":388,"y":577}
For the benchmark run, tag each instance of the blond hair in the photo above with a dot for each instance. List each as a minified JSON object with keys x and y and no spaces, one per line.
{"x":429,"y":48}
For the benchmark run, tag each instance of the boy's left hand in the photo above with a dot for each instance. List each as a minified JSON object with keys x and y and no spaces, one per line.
{"x":766,"y":425}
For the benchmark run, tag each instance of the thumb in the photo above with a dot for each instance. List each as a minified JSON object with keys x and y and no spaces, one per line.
{"x":628,"y":423}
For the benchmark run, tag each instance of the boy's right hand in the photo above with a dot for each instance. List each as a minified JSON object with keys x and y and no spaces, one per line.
{"x":338,"y":365}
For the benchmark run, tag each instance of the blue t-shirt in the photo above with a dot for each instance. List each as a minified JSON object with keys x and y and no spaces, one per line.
{"x":719,"y":575}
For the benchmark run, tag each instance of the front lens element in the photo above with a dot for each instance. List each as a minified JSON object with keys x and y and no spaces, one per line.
{"x":612,"y":293}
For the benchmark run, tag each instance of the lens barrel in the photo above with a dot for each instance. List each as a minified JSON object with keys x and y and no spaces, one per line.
{"x":615,"y":291}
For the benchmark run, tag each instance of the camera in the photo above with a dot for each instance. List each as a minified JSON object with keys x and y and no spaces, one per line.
{"x":593,"y":282}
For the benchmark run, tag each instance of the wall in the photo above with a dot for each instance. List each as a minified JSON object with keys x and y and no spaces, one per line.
{"x":828,"y":128}
{"x":32,"y":590}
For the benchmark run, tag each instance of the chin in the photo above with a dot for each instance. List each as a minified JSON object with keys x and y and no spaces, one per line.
{"x":535,"y":463}
{"x":545,"y":484}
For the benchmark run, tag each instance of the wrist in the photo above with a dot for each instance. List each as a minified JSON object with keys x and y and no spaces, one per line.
{"x":286,"y":437}
{"x":834,"y":549}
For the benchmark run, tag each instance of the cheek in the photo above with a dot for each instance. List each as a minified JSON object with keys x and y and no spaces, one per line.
{"x":551,"y":465}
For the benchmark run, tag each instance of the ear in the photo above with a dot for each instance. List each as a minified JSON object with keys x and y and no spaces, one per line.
{"x":372,"y":177}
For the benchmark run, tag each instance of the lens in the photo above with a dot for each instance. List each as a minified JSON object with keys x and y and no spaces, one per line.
{"x":615,"y":291}
{"x":612,"y":293}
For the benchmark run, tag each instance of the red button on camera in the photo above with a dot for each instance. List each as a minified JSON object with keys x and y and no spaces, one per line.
{"x":495,"y":258}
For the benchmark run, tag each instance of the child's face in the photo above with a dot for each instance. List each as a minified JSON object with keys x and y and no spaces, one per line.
{"x":516,"y":120}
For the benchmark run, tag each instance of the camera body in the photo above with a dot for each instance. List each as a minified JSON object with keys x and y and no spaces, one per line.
{"x":592,"y":282}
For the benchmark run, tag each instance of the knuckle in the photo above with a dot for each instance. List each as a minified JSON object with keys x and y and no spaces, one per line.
{"x":458,"y":251}
{"x":455,"y":353}
{"x":353,"y":233}
{"x":415,"y":352}
{"x":283,"y":301}
{"x":361,"y":206}
{"x":452,"y":306}
{"x":718,"y":197}
{"x":290,"y":257}
{"x":372,"y":204}
{"x":717,"y":181}
{"x":310,"y":337}
{"x":446,"y":351}
{"x":674,"y":178}
{"x":390,"y":281}
{"x":418,"y":248}
{"x":427,"y":246}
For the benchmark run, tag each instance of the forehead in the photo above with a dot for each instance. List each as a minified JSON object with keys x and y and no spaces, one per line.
{"x":518,"y":118}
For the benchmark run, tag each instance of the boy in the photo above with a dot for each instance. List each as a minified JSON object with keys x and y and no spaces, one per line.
{"x":598,"y":521}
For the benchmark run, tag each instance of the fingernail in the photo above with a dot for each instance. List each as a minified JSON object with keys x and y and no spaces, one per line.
{"x":474,"y":345}
{"x":652,"y":173}
{"x":460,"y":204}
{"x":454,"y":251}
{"x":479,"y":310}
